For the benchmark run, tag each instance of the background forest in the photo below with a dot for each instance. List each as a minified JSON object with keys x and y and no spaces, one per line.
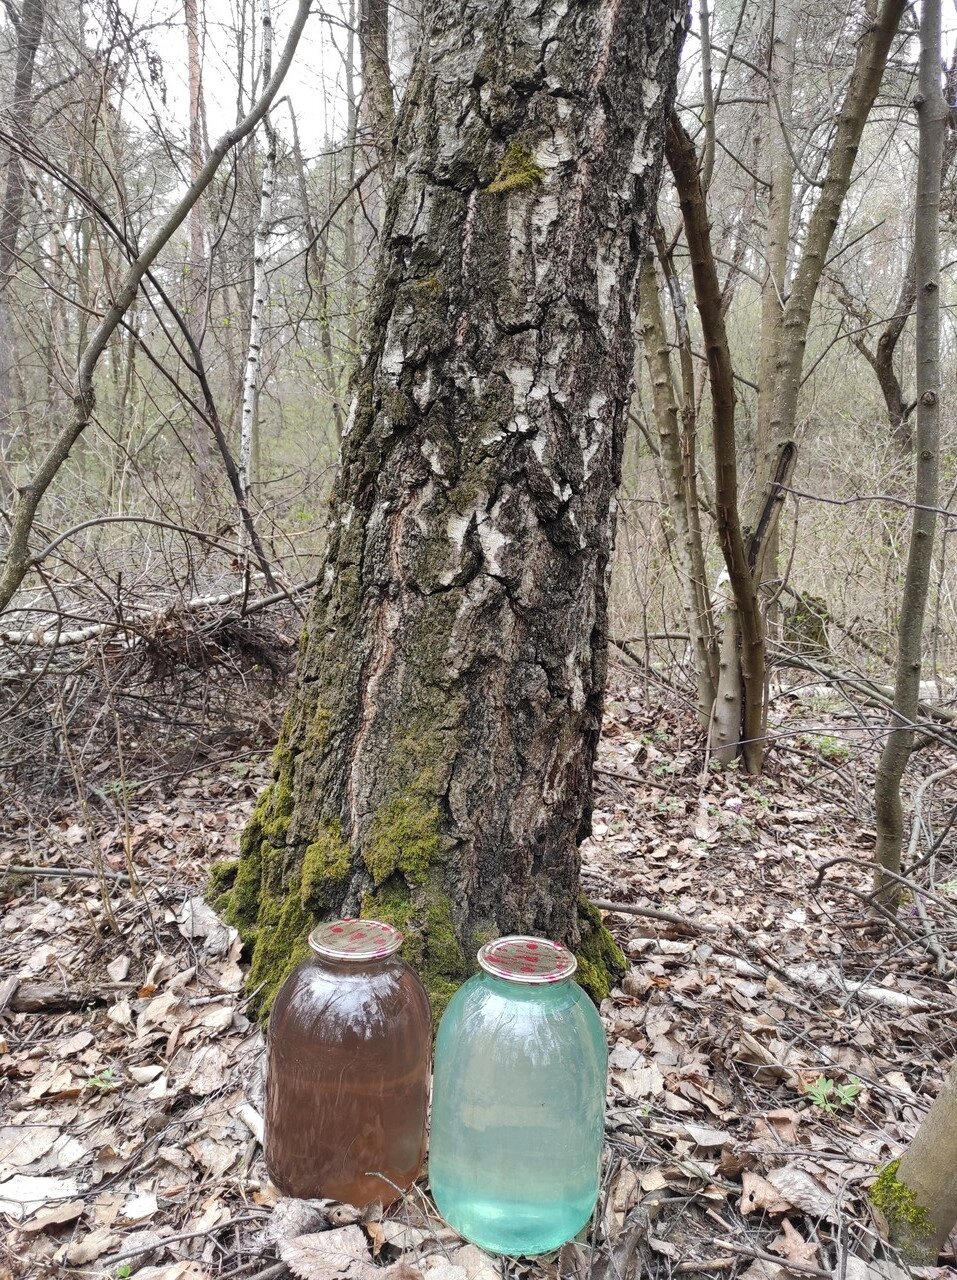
{"x":191,"y":201}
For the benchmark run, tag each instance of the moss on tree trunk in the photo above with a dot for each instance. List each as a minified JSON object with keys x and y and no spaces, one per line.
{"x":434,"y":768}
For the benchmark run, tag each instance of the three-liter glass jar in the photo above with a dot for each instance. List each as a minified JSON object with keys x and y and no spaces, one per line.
{"x":347,"y":1083}
{"x":518,"y":1101}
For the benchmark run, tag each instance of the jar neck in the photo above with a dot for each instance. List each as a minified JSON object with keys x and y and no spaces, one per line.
{"x":529,"y":991}
{"x":346,"y":968}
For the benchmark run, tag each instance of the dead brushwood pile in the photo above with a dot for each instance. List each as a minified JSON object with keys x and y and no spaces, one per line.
{"x":769,"y":1049}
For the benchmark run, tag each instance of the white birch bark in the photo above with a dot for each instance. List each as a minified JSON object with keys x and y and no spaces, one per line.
{"x":252,"y":371}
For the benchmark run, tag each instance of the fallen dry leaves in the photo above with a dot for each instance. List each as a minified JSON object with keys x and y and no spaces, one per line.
{"x":130,"y":1136}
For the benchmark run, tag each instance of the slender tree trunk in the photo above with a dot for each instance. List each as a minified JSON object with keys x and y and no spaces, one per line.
{"x":777,"y":243}
{"x":377,"y":108}
{"x":196,"y":272}
{"x":918,"y":1193}
{"x":317,"y":255}
{"x":746,"y":615}
{"x":29,"y":32}
{"x":688,"y":551}
{"x":252,"y":370}
{"x":435,"y":764}
{"x":931,"y":117}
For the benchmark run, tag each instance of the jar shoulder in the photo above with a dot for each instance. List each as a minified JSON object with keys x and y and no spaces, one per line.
{"x":487,"y":1017}
{"x":330,"y":1002}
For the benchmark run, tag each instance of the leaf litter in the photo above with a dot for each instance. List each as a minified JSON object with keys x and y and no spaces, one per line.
{"x":131,"y":1121}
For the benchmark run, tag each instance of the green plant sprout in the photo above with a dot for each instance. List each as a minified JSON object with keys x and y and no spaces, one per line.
{"x":104,"y":1080}
{"x":831,"y":1096}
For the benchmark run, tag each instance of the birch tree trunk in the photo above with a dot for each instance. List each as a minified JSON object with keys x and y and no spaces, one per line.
{"x":932,"y":113}
{"x":252,"y":370}
{"x":435,"y":765}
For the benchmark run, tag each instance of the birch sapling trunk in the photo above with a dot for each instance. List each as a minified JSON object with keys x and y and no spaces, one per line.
{"x":435,"y":765}
{"x":252,"y":370}
{"x":932,"y":114}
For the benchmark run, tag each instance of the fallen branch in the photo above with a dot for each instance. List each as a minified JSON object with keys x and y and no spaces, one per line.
{"x":805,"y":978}
{"x":131,"y":628}
{"x":46,"y":997}
{"x":877,"y":695}
{"x":65,"y":873}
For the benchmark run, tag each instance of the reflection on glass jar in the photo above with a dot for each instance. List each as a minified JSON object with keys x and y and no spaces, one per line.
{"x":518,"y":1101}
{"x":347,"y":1078}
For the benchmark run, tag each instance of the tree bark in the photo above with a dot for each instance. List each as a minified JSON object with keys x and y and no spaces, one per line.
{"x":918,"y":1193}
{"x":435,"y":765}
{"x":932,"y":113}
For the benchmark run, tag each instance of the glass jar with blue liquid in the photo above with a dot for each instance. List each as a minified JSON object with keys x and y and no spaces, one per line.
{"x":518,"y":1101}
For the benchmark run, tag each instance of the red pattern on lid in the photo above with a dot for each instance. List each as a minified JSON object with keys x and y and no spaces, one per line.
{"x":529,"y":960}
{"x":352,"y":939}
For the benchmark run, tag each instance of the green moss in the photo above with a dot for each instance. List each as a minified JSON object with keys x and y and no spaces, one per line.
{"x":282,"y":932}
{"x":222,"y":877}
{"x":431,"y":947}
{"x":326,"y":868}
{"x":911,"y":1228}
{"x":318,"y":730}
{"x":271,"y":816}
{"x":404,"y":837}
{"x":601,"y":962}
{"x":519,"y":171}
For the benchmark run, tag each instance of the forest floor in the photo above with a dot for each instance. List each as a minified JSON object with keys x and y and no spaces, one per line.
{"x":769,"y":1051}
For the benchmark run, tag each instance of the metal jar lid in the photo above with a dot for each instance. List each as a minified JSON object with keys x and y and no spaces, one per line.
{"x":530,"y":960}
{"x":353,"y":939}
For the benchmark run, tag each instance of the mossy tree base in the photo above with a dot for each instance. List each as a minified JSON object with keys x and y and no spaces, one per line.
{"x":909,"y":1223}
{"x":917,"y":1194}
{"x":435,"y":765}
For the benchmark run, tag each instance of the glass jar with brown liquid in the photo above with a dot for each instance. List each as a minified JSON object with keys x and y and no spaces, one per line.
{"x":347,"y":1077}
